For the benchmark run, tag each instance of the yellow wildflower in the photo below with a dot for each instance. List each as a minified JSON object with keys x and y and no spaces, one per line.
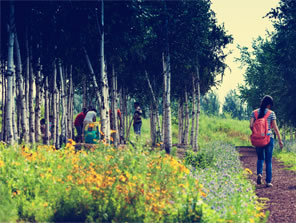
{"x":260,"y":215}
{"x":248,"y":171}
{"x":1,"y":163}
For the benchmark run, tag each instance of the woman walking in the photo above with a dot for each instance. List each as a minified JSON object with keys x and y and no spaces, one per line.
{"x":264,"y":153}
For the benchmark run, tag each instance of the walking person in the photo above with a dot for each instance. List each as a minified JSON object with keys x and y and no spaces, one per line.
{"x":78,"y":123}
{"x":90,"y":117}
{"x":137,"y":119}
{"x":262,"y":139}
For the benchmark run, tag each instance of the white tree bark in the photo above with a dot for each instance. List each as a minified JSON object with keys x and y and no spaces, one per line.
{"x":122,"y":124}
{"x":186,"y":123}
{"x":63,"y":104}
{"x":180,"y":120}
{"x":54,"y":105}
{"x":58,"y":100}
{"x":70,"y":105}
{"x":105,"y":119}
{"x":3,"y":88}
{"x":163,"y":124}
{"x":167,"y":79}
{"x":195,"y":146}
{"x":3,"y":101}
{"x":46,"y":112}
{"x":27,"y":78}
{"x":14,"y":106}
{"x":22,"y":97}
{"x":31,"y":102}
{"x":192,"y":138}
{"x":38,"y":100}
{"x":114,"y":109}
{"x":10,"y":74}
{"x":153,"y":135}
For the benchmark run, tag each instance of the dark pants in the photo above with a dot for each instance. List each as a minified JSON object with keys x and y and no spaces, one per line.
{"x":137,"y":128}
{"x":79,"y":133}
{"x":265,"y":153}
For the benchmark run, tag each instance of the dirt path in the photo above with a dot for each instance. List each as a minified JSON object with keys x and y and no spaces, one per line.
{"x":282,"y":196}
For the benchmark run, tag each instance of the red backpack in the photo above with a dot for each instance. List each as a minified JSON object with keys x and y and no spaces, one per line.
{"x":259,"y":137}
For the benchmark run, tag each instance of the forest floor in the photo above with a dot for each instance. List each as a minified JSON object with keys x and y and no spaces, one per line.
{"x":281,"y":198}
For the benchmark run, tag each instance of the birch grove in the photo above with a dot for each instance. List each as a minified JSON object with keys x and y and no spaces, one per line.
{"x":49,"y":73}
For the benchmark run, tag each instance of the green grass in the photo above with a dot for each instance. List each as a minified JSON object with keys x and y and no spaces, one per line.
{"x":211,"y":129}
{"x":287,"y":155}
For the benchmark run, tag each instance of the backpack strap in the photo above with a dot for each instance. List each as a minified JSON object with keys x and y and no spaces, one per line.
{"x":256,"y":114}
{"x":267,"y":114}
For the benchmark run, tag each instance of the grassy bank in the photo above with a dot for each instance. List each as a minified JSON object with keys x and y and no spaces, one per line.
{"x":288,"y":154}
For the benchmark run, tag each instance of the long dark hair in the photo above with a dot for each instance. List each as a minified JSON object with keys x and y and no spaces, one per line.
{"x":267,"y":100}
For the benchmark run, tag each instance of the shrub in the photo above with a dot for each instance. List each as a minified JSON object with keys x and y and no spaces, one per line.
{"x":199,"y":159}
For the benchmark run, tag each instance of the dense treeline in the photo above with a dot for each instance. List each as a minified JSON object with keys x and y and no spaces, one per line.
{"x":109,"y":52}
{"x":271,"y":67}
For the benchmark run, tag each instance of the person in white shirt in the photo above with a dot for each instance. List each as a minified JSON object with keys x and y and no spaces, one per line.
{"x":89,"y":118}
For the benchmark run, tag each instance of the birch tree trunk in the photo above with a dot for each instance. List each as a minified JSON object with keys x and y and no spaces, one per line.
{"x":105,"y":119}
{"x":120,"y":127}
{"x":180,"y":120}
{"x":3,"y":103}
{"x":38,"y":100}
{"x":17,"y":95}
{"x":14,"y":106}
{"x":27,"y":78}
{"x":291,"y":133}
{"x":114,"y":122}
{"x":63,"y":104}
{"x":10,"y":74}
{"x":186,"y":126}
{"x":46,"y":112}
{"x":3,"y":81}
{"x":127,"y":124}
{"x":54,"y":105}
{"x":31,"y":101}
{"x":164,"y":99}
{"x":4,"y":120}
{"x":195,"y":145}
{"x":22,"y":97}
{"x":167,"y":79}
{"x":153,"y":135}
{"x":58,"y":100}
{"x":192,"y":138}
{"x":70,"y":105}
{"x":123,"y":115}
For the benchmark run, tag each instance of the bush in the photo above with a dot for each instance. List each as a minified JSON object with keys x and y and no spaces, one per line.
{"x":199,"y":159}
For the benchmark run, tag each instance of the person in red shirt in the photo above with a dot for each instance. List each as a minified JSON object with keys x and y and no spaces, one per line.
{"x":78,"y":123}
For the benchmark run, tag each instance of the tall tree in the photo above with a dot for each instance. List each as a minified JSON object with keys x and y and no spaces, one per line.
{"x":10,"y":76}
